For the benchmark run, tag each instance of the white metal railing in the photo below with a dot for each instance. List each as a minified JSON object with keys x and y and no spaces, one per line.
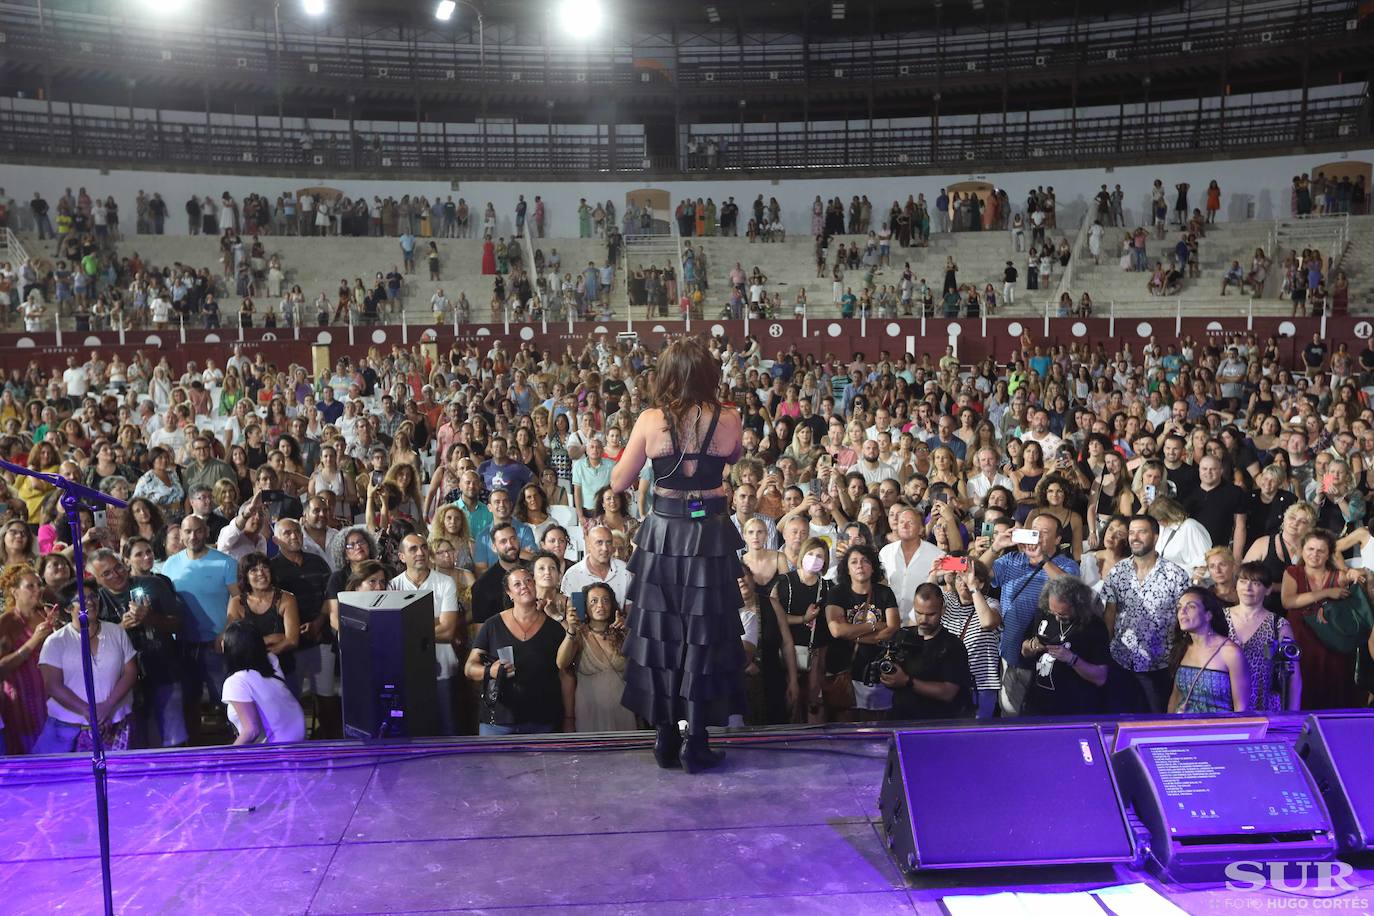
{"x":14,"y":250}
{"x":1080,"y":244}
{"x":528,"y":258}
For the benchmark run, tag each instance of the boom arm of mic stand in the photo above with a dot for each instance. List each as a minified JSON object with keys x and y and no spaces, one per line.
{"x":80,"y":491}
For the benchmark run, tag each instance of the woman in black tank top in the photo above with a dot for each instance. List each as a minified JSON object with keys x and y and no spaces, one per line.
{"x":684,"y":656}
{"x":278,"y":623}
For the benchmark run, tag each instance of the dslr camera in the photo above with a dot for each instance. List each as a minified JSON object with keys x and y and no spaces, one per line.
{"x":895,"y":654}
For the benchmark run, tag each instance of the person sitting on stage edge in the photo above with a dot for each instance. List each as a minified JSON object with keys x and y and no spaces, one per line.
{"x":260,"y":705}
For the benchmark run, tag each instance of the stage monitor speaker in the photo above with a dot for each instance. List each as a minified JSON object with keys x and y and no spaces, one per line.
{"x":1338,"y":749}
{"x":386,"y":650}
{"x":1208,"y":805}
{"x":984,"y":797}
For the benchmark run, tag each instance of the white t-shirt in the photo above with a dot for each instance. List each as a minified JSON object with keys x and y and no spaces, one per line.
{"x":281,"y":716}
{"x":579,"y":576}
{"x":112,"y":652}
{"x":76,"y":382}
{"x":903,"y":577}
{"x":445,"y":601}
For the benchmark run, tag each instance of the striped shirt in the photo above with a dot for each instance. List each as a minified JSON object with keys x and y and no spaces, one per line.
{"x":983,"y":660}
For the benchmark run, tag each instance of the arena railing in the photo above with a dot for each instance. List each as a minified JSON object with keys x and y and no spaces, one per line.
{"x":62,"y":36}
{"x":171,"y":138}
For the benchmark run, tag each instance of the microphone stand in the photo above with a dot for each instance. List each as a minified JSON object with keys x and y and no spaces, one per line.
{"x":76,"y":496}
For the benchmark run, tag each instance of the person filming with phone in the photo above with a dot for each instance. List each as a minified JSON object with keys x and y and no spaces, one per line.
{"x":1021,"y":574}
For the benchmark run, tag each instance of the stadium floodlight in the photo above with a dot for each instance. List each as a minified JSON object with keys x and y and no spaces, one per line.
{"x":313,"y":7}
{"x":580,"y":19}
{"x":444,"y":11}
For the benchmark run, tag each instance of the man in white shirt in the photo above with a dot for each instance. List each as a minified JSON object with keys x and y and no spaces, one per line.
{"x":75,"y":379}
{"x":418,"y":577}
{"x":598,"y":566}
{"x":907,"y":561}
{"x":871,"y":466}
{"x":170,"y":435}
{"x":988,"y":476}
{"x":1040,"y":433}
{"x":244,"y":533}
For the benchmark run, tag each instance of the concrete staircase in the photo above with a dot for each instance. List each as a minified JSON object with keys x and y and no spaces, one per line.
{"x":1358,"y":262}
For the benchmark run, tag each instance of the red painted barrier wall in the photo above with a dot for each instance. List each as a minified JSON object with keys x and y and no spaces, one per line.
{"x":974,"y":338}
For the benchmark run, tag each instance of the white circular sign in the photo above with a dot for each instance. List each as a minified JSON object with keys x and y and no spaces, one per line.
{"x":324,"y":337}
{"x":954,"y":329}
{"x":775,"y":330}
{"x":1143,"y":329}
{"x":212,"y":338}
{"x":269,"y":336}
{"x":833,"y":329}
{"x":1079,"y":329}
{"x":484,"y":332}
{"x":1363,"y":330}
{"x":379,"y":336}
{"x":1014,"y":329}
{"x":717,"y":330}
{"x":527,"y":333}
{"x":659,"y":329}
{"x":25,"y":343}
{"x":599,"y":329}
{"x":894,"y":329}
{"x":153,"y":340}
{"x":1214,"y":326}
{"x":91,"y":341}
{"x":430,"y":334}
{"x":1287,"y":329}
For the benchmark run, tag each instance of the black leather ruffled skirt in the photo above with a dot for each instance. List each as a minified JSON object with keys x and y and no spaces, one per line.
{"x":684,"y":656}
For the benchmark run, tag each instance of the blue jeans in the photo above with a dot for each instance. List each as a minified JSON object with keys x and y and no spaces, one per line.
{"x":57,"y":737}
{"x":986,"y":701}
{"x":524,"y":728}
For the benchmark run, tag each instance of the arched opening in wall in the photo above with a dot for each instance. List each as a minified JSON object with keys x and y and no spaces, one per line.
{"x":655,"y":207}
{"x":1358,"y":173}
{"x":967,"y":190}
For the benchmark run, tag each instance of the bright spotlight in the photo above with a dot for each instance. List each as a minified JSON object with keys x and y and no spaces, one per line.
{"x":444,"y":11}
{"x":313,"y":7}
{"x":580,"y":18}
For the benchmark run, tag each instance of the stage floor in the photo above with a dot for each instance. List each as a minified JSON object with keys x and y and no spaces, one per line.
{"x":786,"y":826}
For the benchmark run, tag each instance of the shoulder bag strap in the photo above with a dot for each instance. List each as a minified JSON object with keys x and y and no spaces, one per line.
{"x":1201,"y":671}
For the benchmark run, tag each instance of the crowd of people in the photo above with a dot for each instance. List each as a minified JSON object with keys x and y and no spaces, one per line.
{"x":1072,"y":531}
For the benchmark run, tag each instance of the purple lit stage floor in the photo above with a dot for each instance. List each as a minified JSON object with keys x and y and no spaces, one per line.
{"x":782,"y":828}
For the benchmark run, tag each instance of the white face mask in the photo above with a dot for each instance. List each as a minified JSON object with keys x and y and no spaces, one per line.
{"x":812,"y":563}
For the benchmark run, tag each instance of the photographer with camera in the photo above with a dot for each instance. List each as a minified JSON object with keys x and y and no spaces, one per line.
{"x":926,"y":666}
{"x":146,"y":608}
{"x":1266,"y":640}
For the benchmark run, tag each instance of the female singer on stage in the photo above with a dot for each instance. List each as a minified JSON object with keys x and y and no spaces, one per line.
{"x":683,"y":650}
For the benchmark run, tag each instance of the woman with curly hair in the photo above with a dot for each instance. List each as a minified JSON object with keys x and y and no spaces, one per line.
{"x":1056,"y":495}
{"x":25,"y":625}
{"x":144,"y":519}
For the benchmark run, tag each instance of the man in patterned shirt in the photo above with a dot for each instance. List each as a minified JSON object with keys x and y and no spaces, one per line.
{"x":1141,"y":593}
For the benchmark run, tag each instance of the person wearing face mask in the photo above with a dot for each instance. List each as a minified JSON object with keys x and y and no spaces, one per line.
{"x":930,"y":679}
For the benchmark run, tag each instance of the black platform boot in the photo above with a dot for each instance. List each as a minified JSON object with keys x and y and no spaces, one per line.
{"x":667,"y":745}
{"x":697,"y":755}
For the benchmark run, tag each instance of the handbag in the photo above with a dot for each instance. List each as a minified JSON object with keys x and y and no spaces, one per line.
{"x":803,"y":653}
{"x":1348,"y":621}
{"x":837,"y":691}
